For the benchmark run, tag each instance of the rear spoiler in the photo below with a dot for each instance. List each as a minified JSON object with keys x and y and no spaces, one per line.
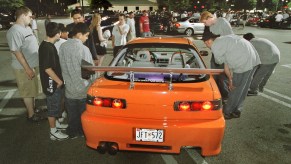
{"x":153,"y":69}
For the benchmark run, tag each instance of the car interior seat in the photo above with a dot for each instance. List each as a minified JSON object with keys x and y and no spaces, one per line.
{"x":143,"y":59}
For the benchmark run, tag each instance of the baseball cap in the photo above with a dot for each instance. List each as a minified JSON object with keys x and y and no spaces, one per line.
{"x":208,"y":35}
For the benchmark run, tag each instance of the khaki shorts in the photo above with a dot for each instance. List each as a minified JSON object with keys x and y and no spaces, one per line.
{"x":26,"y":87}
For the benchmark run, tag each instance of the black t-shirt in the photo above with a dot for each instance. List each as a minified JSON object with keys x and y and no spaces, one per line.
{"x":48,"y":58}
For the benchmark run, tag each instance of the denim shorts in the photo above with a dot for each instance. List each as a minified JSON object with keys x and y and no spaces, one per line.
{"x":54,"y":102}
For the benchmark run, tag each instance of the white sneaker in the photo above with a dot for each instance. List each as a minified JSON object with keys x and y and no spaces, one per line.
{"x":64,"y":115}
{"x":61,"y":126}
{"x":58,"y":135}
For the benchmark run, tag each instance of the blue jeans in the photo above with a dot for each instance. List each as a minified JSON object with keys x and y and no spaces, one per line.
{"x":146,"y":34}
{"x":261,"y":76}
{"x":236,"y":97}
{"x":75,"y":108}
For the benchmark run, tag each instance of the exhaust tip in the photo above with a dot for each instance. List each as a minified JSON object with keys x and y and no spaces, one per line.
{"x":112,"y":148}
{"x":102,"y":148}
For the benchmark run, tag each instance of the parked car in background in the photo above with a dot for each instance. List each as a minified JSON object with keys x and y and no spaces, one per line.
{"x":156,"y":96}
{"x":267,"y":22}
{"x":189,"y":26}
{"x":253,"y":20}
{"x":6,"y":21}
{"x":286,"y":24}
{"x":233,"y":20}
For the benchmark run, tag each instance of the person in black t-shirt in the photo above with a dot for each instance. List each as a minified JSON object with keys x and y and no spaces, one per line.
{"x":78,"y":17}
{"x":52,"y":80}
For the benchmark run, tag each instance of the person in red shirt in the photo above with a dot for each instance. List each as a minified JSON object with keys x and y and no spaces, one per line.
{"x":144,"y":25}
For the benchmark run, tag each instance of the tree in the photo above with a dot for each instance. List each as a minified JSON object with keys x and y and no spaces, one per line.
{"x":245,"y":4}
{"x":9,"y":6}
{"x":98,"y":4}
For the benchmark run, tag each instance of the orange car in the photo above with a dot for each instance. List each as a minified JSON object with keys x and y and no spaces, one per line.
{"x":156,"y":96}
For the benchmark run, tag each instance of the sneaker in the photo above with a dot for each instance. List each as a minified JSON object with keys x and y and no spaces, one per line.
{"x":33,"y":119}
{"x":252,"y":93}
{"x":64,"y":115}
{"x":61,"y":126}
{"x":73,"y":136}
{"x":61,"y":119}
{"x":236,"y":114}
{"x":58,"y":135}
{"x":227,"y":116}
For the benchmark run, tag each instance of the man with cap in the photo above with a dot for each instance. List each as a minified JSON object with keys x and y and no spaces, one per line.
{"x":221,"y":79}
{"x":240,"y":62}
{"x":269,"y":56}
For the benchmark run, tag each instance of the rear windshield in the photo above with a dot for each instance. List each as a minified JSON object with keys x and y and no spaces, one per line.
{"x":158,"y":56}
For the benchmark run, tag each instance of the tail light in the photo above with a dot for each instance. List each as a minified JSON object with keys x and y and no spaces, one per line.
{"x":184,"y":106}
{"x":106,"y":102}
{"x":177,"y":25}
{"x":197,"y":105}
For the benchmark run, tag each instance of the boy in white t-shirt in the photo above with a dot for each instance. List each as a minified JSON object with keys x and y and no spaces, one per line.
{"x":119,"y":34}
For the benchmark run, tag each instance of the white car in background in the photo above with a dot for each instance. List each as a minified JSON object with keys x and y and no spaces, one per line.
{"x":189,"y":26}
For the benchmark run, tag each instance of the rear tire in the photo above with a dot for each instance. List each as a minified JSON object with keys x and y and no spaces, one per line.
{"x":189,"y":32}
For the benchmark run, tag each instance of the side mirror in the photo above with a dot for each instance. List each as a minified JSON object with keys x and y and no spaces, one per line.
{"x":203,"y":53}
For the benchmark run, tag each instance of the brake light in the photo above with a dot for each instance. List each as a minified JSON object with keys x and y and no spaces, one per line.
{"x":106,"y":102}
{"x":117,"y":103}
{"x":207,"y":105}
{"x":184,"y":106}
{"x":198,"y":105}
{"x":177,"y":25}
{"x":97,"y":102}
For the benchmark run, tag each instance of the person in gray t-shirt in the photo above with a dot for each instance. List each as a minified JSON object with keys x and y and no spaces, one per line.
{"x":240,"y":62}
{"x":24,"y":48}
{"x":269,"y":56}
{"x":218,"y":26}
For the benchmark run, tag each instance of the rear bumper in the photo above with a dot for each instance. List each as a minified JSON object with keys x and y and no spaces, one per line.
{"x":206,"y":134}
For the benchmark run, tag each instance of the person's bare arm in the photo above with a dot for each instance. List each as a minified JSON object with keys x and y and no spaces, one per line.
{"x":100,"y":34}
{"x":113,"y":39}
{"x":140,"y":27}
{"x":21,"y":59}
{"x":228,"y":74}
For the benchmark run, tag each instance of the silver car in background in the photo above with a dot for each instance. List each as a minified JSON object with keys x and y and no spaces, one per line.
{"x":189,"y":26}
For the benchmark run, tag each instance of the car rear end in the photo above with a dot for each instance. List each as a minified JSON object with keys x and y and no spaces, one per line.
{"x":155,"y":112}
{"x":190,"y":115}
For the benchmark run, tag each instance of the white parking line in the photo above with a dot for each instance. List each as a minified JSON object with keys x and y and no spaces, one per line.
{"x":287,"y":65}
{"x":278,"y":94}
{"x":169,"y":159}
{"x":196,"y":156}
{"x":276,"y":100}
{"x":6,"y":98}
{"x":8,"y":90}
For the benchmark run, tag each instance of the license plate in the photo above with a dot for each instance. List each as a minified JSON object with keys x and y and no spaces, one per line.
{"x":150,"y":135}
